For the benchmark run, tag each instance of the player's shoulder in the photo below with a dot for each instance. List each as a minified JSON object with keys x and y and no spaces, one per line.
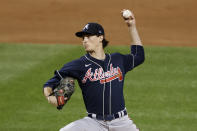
{"x":74,"y":63}
{"x":119,"y":56}
{"x":116,"y":54}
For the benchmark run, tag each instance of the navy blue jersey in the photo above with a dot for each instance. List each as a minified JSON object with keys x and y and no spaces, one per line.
{"x":101,"y":81}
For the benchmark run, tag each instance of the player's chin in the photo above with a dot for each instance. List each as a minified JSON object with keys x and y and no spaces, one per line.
{"x":88,"y":50}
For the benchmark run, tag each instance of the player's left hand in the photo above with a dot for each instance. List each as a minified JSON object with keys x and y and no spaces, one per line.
{"x":130,"y":21}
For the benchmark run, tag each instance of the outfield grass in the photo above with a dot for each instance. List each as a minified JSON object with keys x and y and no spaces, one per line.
{"x":160,"y":94}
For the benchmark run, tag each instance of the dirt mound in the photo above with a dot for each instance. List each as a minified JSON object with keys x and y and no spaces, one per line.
{"x":55,"y":21}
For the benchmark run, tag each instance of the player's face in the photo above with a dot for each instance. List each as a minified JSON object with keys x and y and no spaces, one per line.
{"x":91,"y":42}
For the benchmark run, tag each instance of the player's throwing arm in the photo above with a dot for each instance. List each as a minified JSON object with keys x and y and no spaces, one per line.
{"x":131,"y":22}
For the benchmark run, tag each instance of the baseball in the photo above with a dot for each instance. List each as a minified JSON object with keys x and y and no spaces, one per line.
{"x":126,"y":14}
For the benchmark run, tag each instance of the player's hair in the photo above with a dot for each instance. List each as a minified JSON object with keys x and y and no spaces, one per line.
{"x":105,"y":42}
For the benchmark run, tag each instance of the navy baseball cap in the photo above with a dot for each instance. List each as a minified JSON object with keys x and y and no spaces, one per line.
{"x":91,"y":29}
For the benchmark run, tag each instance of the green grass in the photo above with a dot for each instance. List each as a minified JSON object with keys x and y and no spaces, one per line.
{"x":160,"y":94}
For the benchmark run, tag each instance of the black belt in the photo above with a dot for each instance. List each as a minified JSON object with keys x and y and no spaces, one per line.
{"x":108,"y":117}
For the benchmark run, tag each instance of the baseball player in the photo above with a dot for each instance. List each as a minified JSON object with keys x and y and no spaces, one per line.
{"x":101,"y":79}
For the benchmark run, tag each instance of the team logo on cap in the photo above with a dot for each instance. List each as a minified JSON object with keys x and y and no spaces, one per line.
{"x":86,"y":27}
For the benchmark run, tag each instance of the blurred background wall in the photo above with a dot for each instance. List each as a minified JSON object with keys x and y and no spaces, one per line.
{"x":159,"y":22}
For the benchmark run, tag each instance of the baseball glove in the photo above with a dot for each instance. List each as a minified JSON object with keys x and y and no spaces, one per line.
{"x":65,"y":89}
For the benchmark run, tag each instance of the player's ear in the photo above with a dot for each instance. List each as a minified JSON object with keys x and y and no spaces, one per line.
{"x":101,"y":38}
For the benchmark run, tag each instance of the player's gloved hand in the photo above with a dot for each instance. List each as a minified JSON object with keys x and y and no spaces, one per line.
{"x":63,"y":91}
{"x":130,"y":21}
{"x":61,"y":99}
{"x":57,"y":102}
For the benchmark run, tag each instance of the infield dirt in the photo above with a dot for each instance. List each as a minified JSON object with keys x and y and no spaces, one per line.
{"x":159,"y":22}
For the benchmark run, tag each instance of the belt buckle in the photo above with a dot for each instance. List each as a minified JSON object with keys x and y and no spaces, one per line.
{"x":109,"y":117}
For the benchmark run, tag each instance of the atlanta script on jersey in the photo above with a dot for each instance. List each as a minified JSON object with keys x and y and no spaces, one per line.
{"x":103,"y":77}
{"x":101,"y":81}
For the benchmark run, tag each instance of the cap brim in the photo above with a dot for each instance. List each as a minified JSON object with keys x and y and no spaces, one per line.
{"x":82,"y":33}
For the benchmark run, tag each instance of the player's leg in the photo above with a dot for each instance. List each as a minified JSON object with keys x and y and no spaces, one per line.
{"x":85,"y":124}
{"x":123,"y":124}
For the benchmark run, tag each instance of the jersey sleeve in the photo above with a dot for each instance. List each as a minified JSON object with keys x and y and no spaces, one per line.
{"x":71,"y":69}
{"x":135,"y":58}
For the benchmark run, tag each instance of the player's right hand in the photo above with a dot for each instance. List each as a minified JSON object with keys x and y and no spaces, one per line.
{"x":129,"y":21}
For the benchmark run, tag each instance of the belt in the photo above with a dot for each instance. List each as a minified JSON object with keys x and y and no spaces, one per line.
{"x":108,"y":117}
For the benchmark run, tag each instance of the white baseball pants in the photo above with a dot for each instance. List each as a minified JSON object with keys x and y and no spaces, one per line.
{"x":90,"y":124}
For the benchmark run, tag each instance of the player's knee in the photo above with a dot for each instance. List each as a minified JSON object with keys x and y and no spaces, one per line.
{"x":70,"y":127}
{"x":65,"y":129}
